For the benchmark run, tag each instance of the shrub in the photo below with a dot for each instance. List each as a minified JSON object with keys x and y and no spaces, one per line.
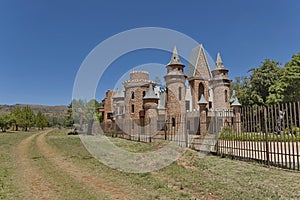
{"x":227,"y":133}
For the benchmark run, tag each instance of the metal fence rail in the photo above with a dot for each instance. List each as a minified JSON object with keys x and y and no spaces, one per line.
{"x":182,"y":129}
{"x":269,"y":134}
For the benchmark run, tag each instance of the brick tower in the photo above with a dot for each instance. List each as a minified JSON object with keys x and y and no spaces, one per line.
{"x":150,"y":107}
{"x":135,"y":90}
{"x":175,"y":83}
{"x":220,"y":84}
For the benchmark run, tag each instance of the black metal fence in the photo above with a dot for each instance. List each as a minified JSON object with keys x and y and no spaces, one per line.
{"x":183,"y":129}
{"x":269,"y":134}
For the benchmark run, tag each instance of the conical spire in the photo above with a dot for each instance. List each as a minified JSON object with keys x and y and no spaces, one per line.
{"x":236,"y":102}
{"x":150,"y":94}
{"x":202,"y":100}
{"x":219,"y":62}
{"x":175,"y":58}
{"x":119,"y":94}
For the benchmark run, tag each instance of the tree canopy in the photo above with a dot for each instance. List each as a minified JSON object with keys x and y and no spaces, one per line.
{"x":40,"y":120}
{"x":23,"y":118}
{"x":286,"y":88}
{"x":82,"y":113}
{"x":5,"y":122}
{"x":27,"y":118}
{"x":270,"y":83}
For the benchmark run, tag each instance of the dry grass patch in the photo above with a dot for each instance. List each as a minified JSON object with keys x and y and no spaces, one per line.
{"x":190,"y":177}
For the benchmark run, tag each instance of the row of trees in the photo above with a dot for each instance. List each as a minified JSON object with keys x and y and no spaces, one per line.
{"x":270,"y":83}
{"x":79,"y":114}
{"x":82,"y":113}
{"x":24,"y":119}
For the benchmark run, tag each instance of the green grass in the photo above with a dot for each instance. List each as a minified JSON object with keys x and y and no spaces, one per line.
{"x":137,"y":184}
{"x":67,"y":187}
{"x":138,"y":147}
{"x":8,"y":188}
{"x":189,"y":177}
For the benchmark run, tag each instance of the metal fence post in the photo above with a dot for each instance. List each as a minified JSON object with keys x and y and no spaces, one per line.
{"x":266,"y":136}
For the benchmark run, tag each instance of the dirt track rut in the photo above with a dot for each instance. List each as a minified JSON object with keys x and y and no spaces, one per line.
{"x":30,"y":177}
{"x":38,"y":187}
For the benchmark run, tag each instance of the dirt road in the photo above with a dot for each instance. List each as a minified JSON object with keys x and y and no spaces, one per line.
{"x":38,"y":186}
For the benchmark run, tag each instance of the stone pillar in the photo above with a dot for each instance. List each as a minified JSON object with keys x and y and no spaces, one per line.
{"x":236,"y":106}
{"x":150,"y":119}
{"x":202,"y":109}
{"x":150,"y":101}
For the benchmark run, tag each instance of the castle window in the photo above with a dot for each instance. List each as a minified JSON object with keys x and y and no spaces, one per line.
{"x":179,"y":93}
{"x":173,"y":122}
{"x":226,"y":95}
{"x":144,"y":93}
{"x":109,"y":115}
{"x":132,"y":95}
{"x":187,"y":105}
{"x":200,"y":90}
{"x":132,"y":108}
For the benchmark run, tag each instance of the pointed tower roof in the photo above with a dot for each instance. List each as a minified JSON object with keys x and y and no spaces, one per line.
{"x":202,"y":100}
{"x":119,"y":94}
{"x":198,"y":64}
{"x":236,"y":102}
{"x":150,"y":94}
{"x":219,"y":62}
{"x":175,"y":60}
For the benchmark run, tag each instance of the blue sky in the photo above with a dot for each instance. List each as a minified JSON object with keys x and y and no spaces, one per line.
{"x":43,"y":43}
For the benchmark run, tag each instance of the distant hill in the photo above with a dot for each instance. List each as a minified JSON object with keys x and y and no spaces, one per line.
{"x":52,"y":113}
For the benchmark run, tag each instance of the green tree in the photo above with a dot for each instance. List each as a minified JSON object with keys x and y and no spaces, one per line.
{"x":243,"y":91}
{"x":5,"y":122}
{"x":286,"y":89}
{"x":27,"y":118}
{"x":16,"y":115}
{"x":262,"y":78}
{"x":90,"y":114}
{"x":40,"y":120}
{"x":78,"y":112}
{"x":55,"y":121}
{"x":68,"y":120}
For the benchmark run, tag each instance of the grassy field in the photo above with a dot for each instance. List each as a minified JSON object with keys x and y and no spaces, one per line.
{"x":190,"y":177}
{"x":8,"y":189}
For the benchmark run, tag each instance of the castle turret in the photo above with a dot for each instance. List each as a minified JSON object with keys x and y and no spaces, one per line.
{"x":118,"y":103}
{"x":135,"y":90}
{"x":175,"y":83}
{"x":220,"y":84}
{"x":150,"y":105}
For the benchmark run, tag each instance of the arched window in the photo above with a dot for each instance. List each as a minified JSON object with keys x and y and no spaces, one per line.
{"x":132,"y":95}
{"x":132,"y":108}
{"x":200,"y":90}
{"x":226,"y":95}
{"x":173,"y":122}
{"x":179,"y":93}
{"x":144,"y":93}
